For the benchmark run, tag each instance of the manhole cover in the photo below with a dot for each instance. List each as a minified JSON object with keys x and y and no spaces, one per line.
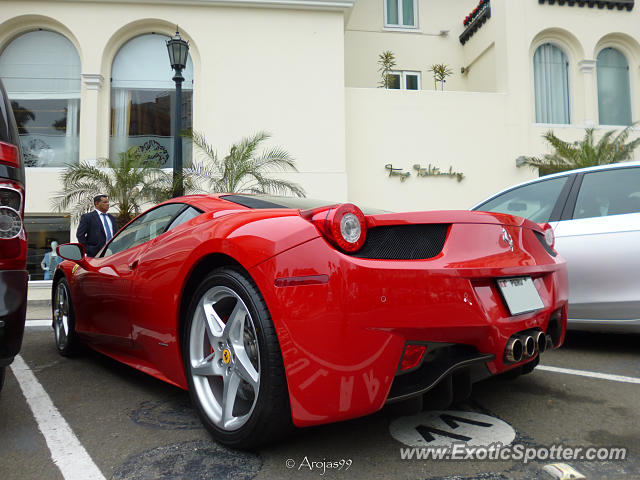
{"x":443,"y":428}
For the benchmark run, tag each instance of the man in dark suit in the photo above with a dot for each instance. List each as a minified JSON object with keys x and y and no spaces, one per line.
{"x":97,"y":227}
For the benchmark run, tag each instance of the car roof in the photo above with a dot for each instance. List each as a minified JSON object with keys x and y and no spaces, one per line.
{"x":609,"y":166}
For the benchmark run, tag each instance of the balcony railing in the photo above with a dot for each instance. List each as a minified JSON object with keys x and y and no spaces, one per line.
{"x":475,"y":20}
{"x":610,"y":4}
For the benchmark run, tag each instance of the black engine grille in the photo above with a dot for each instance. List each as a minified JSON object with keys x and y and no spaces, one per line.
{"x":404,"y":242}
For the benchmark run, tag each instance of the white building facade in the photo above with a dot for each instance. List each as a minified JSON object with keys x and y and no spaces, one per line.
{"x":89,"y":78}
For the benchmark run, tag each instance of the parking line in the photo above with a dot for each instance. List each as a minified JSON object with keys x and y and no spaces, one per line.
{"x":67,"y":452}
{"x":37,"y":323}
{"x":585,"y":373}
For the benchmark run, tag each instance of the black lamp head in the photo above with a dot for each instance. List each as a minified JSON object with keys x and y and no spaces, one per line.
{"x":178,"y":51}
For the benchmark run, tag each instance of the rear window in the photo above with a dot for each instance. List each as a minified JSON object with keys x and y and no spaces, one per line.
{"x":274,"y":201}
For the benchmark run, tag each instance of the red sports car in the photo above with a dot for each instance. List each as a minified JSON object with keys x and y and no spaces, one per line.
{"x":273,"y":311}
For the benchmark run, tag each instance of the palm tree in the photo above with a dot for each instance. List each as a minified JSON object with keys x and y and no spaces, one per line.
{"x":585,"y":152}
{"x":244,"y":168}
{"x":129,"y":183}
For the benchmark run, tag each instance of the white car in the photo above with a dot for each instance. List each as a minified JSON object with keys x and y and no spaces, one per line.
{"x":595,"y":215}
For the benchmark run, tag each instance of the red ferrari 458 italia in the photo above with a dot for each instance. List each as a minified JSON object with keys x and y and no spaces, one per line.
{"x":278,"y":311}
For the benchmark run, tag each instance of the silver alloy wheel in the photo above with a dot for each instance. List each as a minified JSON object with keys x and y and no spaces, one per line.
{"x":61,"y":316}
{"x":224,"y":358}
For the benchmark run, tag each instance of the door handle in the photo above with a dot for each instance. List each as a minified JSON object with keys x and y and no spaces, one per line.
{"x":134,"y":265}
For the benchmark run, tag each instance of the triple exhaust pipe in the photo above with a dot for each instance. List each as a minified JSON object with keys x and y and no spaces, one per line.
{"x":526,"y":344}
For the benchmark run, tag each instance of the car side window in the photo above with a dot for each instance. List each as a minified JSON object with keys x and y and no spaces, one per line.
{"x":184,"y":216}
{"x":534,"y":201}
{"x":609,"y":192}
{"x":144,"y":228}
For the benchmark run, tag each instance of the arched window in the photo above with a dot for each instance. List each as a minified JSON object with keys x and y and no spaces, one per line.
{"x":614,"y":99}
{"x":41,"y":73}
{"x":142,"y":99}
{"x":551,"y":80}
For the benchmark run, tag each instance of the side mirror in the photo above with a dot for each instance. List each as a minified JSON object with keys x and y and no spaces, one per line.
{"x":71,"y":251}
{"x":75,"y":253}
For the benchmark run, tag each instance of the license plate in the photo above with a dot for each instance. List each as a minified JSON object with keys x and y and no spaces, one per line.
{"x":520,"y":294}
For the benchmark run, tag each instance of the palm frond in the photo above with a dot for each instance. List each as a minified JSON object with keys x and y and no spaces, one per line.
{"x":583,"y":153}
{"x":244,"y":168}
{"x":131,"y":181}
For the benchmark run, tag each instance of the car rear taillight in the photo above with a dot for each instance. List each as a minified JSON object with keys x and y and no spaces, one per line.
{"x":11,"y":209}
{"x":9,"y":155}
{"x":10,"y":197}
{"x":549,"y":236}
{"x":10,"y":223}
{"x":343,"y":226}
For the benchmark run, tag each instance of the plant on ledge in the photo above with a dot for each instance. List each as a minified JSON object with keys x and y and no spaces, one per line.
{"x":476,"y":11}
{"x":440,"y":73}
{"x":475,"y":20}
{"x":584,"y":153}
{"x":386,"y":61}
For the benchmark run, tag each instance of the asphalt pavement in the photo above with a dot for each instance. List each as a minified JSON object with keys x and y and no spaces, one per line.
{"x":132,"y":426}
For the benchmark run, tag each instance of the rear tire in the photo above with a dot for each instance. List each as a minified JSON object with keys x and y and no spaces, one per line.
{"x":233,"y":362}
{"x":2,"y":375}
{"x":64,"y":324}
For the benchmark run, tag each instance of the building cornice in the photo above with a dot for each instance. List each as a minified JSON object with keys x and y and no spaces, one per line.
{"x":93,"y":81}
{"x":293,"y":4}
{"x":587,"y":66}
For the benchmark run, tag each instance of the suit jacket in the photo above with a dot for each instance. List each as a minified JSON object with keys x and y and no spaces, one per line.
{"x":91,"y":234}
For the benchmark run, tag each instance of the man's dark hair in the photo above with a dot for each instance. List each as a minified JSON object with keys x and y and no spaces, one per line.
{"x":97,"y":198}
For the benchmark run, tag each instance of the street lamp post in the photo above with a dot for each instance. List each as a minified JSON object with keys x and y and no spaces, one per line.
{"x":178,"y":53}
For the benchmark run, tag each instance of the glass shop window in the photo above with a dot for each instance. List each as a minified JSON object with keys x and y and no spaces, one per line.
{"x":42,"y":232}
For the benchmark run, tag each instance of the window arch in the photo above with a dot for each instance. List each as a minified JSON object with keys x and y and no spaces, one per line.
{"x":41,"y":73}
{"x":551,"y":84}
{"x":142,"y":99}
{"x":614,"y":98}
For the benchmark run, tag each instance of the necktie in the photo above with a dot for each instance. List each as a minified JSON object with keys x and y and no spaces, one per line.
{"x":107,"y":230}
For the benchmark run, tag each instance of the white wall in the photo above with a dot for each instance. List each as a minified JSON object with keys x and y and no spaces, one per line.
{"x":466,"y":131}
{"x":279,"y":70}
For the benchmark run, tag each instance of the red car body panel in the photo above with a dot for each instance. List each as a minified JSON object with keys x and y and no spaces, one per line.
{"x":342,"y":333}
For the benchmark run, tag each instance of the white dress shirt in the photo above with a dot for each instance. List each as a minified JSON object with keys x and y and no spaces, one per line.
{"x":102,"y":218}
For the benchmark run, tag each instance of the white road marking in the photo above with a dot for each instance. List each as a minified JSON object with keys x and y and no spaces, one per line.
{"x":67,"y":452}
{"x":435,"y":428}
{"x":37,"y":323}
{"x":585,"y":373}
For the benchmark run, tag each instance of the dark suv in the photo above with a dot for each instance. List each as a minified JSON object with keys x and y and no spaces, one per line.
{"x":13,"y":239}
